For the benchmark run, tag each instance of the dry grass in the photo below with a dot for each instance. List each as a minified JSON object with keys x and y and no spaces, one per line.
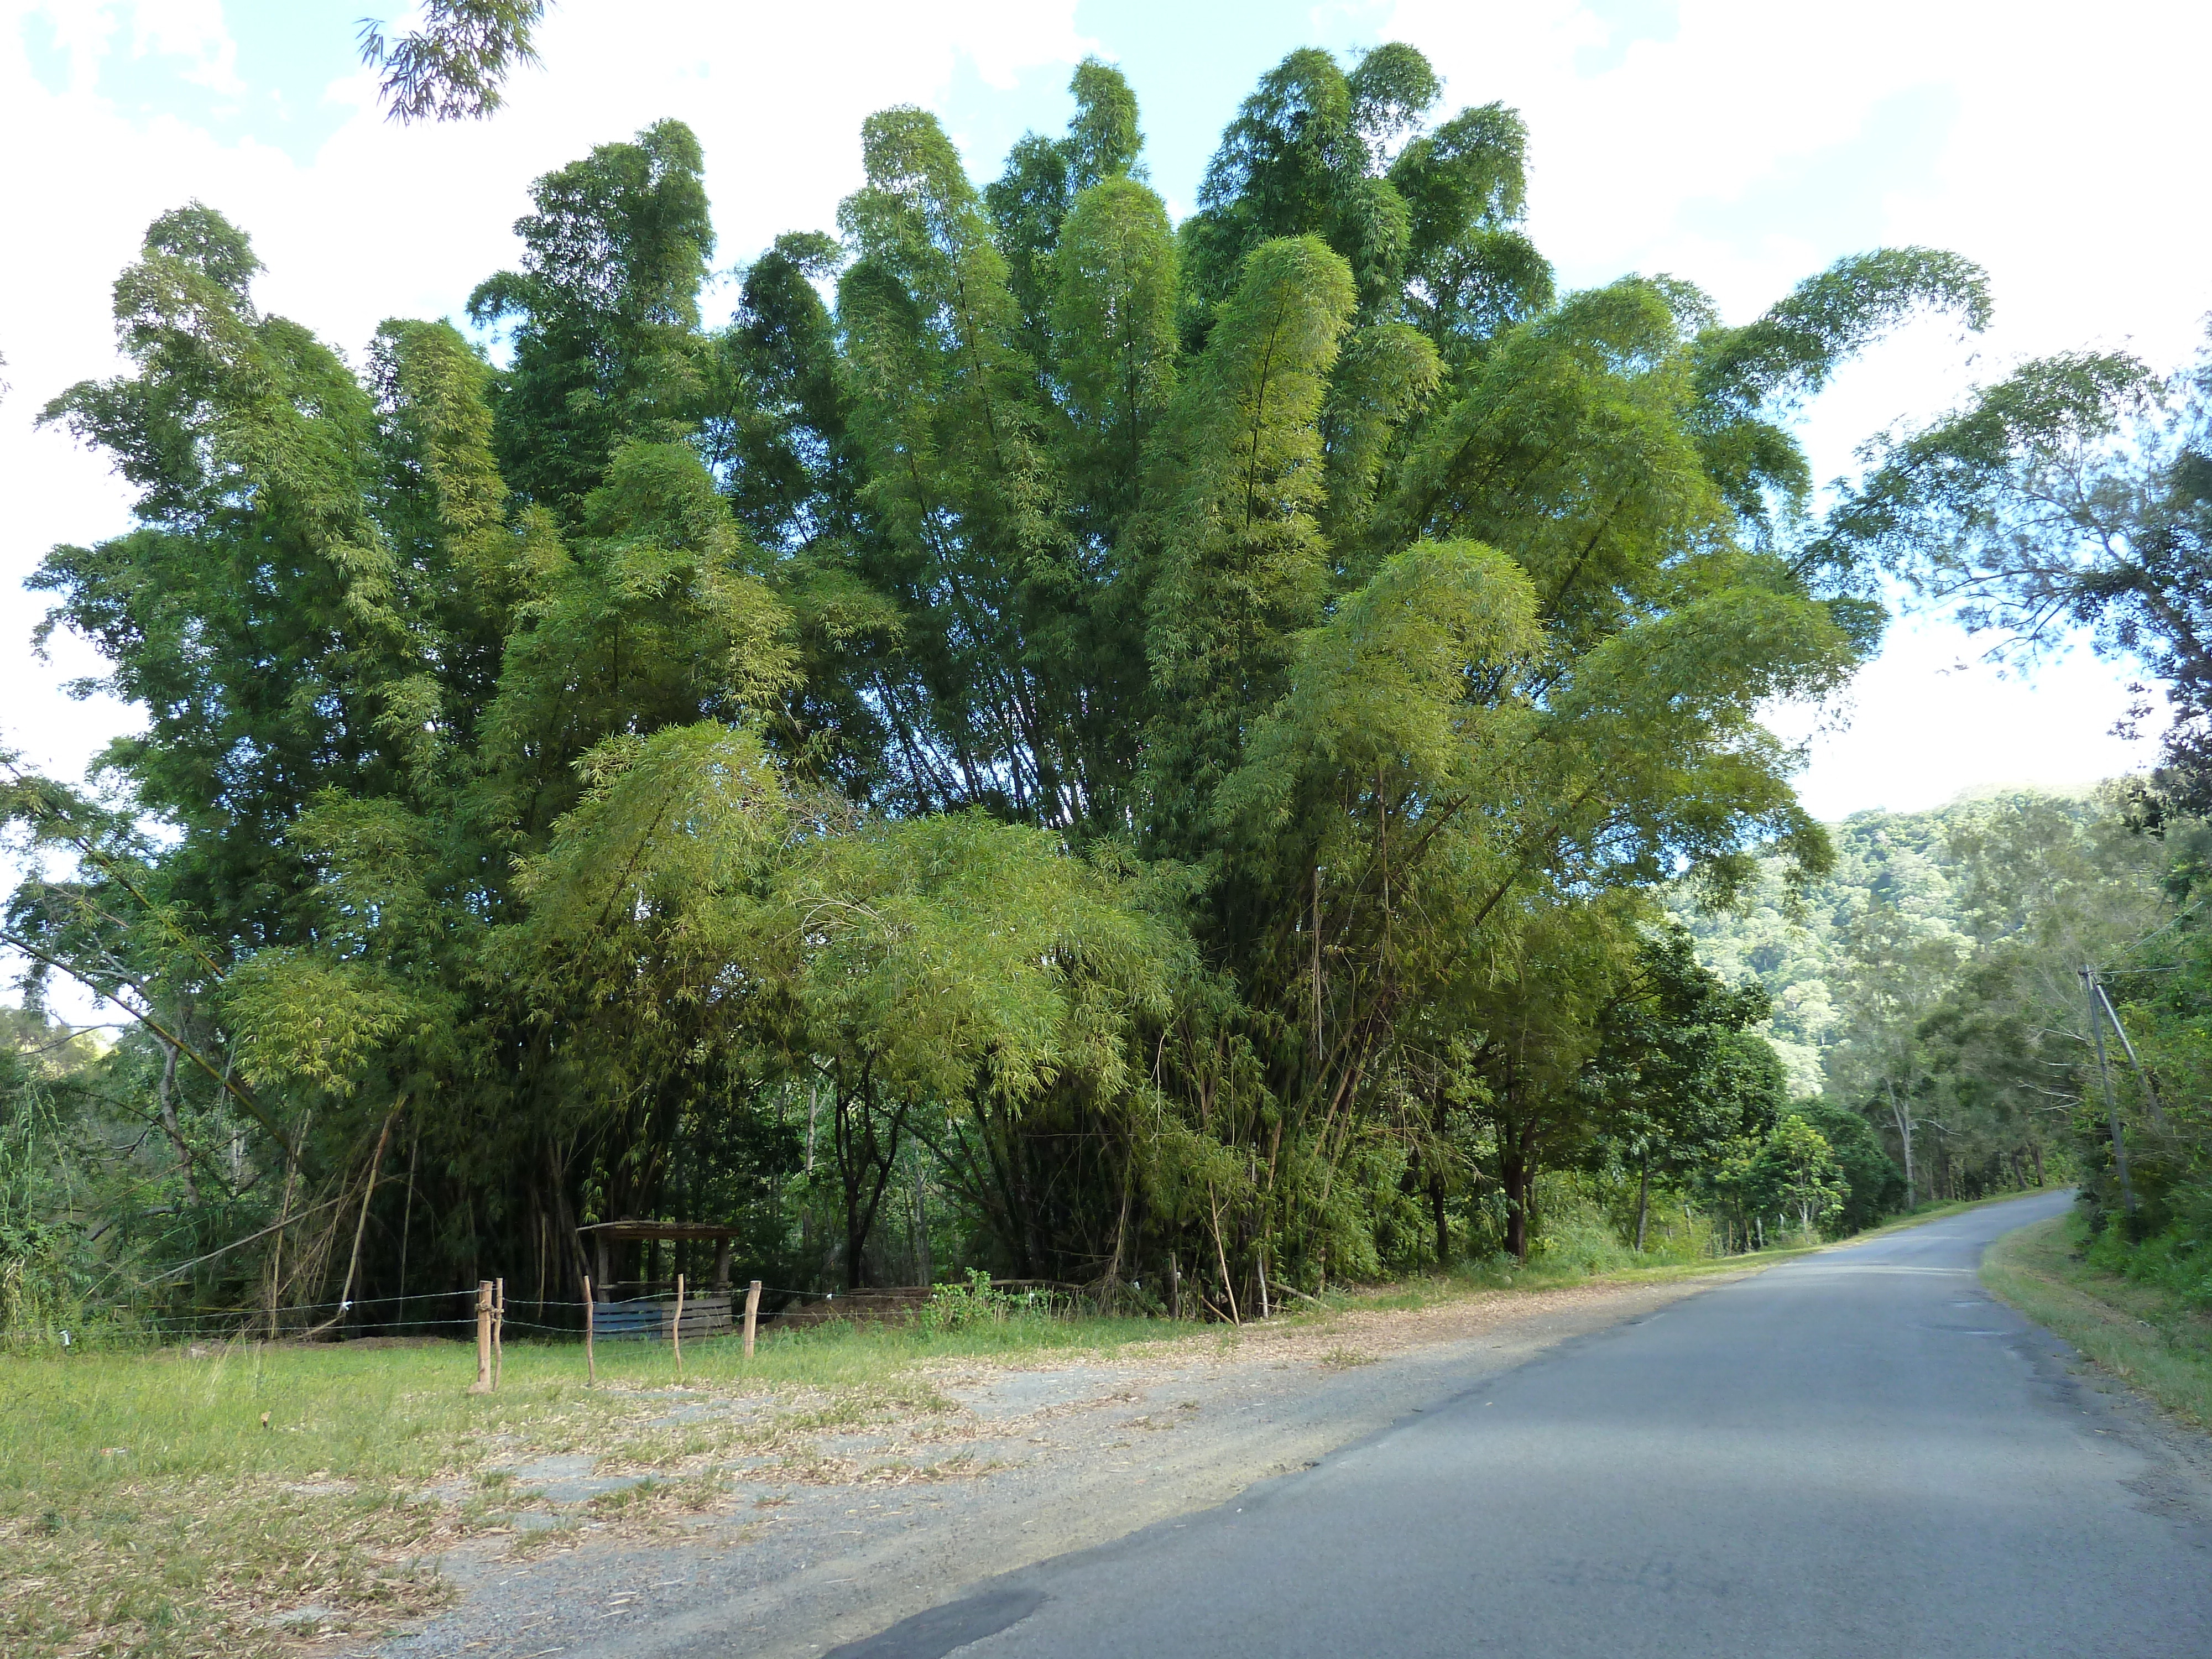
{"x":147,"y":1507}
{"x":2138,"y":1332}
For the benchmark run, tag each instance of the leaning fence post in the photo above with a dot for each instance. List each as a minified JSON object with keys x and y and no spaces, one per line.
{"x":752,"y":1315}
{"x":676,"y":1329}
{"x":483,"y":1384}
{"x":498,"y":1330}
{"x":590,"y":1367}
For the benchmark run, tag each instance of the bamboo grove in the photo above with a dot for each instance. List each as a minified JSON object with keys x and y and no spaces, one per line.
{"x":1174,"y":730}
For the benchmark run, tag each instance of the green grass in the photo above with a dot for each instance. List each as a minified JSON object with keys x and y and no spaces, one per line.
{"x":2140,"y":1334}
{"x":1497,"y":1274}
{"x":147,"y":1510}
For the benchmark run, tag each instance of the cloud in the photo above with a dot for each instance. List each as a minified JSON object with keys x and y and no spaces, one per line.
{"x":193,"y":30}
{"x":2045,"y":140}
{"x":1746,"y":145}
{"x":1930,"y":717}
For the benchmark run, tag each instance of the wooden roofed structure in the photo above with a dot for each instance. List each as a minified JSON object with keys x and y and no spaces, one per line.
{"x":598,"y":1235}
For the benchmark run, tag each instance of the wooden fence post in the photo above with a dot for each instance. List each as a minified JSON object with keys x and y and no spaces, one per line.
{"x":483,"y":1384}
{"x":498,"y":1331}
{"x":752,"y":1315}
{"x":590,"y":1367}
{"x":676,"y":1329}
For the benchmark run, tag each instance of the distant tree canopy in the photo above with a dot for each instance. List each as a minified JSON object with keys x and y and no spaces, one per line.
{"x":1177,"y":728}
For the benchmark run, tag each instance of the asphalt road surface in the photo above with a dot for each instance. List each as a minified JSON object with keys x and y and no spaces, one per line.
{"x":1859,"y":1453}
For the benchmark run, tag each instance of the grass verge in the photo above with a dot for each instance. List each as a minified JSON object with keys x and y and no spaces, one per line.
{"x":177,"y":1504}
{"x":2138,"y":1332}
{"x":1489,"y":1278}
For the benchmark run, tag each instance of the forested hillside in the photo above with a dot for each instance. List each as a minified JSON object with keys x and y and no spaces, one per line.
{"x":1928,"y":877}
{"x":1119,"y":752}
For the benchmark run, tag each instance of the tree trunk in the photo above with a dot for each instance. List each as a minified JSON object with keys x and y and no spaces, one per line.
{"x":1903,"y":1120}
{"x":1444,"y":1224}
{"x":924,"y":1268}
{"x":1516,"y":1172}
{"x":866,"y":1161}
{"x":569,"y":1241}
{"x":1443,"y":1106}
{"x":1642,"y":1201}
{"x":856,"y":1223}
{"x":1221,"y":1257}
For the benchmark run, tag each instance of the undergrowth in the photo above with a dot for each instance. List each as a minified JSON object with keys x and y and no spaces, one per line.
{"x":2176,"y":1260}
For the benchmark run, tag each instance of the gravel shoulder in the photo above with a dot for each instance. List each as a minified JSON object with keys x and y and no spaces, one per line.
{"x":873,"y":1516}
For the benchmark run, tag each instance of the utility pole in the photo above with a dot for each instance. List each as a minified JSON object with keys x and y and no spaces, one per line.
{"x":2143,"y":1077}
{"x":2111,"y":1101}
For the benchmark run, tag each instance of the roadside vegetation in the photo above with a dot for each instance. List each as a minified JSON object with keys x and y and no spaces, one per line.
{"x":2092,"y":1289}
{"x":229,"y":1498}
{"x":2025,"y":979}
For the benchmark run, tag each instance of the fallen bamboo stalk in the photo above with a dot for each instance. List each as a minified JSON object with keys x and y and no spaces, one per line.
{"x":361,"y":1225}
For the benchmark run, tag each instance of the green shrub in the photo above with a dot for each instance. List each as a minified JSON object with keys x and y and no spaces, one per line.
{"x":963,"y":1307}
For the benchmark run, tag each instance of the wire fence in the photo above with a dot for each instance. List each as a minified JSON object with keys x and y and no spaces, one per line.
{"x":422,"y":1312}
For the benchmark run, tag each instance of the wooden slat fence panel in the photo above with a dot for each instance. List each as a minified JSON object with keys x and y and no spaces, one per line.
{"x":703,"y":1315}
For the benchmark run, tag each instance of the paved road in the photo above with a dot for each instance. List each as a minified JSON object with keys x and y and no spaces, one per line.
{"x":1858,"y":1454}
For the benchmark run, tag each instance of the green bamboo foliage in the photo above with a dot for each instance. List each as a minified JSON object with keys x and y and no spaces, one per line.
{"x":1113,"y":278}
{"x":1183,"y":722}
{"x":1242,"y":563}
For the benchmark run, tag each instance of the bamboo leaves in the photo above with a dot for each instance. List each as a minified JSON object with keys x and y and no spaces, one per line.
{"x":1194,"y":711}
{"x":1242,"y":566}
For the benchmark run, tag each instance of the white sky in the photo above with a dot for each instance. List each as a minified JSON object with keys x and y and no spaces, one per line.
{"x":1741,"y":146}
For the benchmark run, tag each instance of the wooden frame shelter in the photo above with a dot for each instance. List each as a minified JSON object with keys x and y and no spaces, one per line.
{"x":601,"y":1234}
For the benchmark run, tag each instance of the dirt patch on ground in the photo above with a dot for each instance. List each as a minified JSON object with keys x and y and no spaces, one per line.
{"x":786,"y":1530}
